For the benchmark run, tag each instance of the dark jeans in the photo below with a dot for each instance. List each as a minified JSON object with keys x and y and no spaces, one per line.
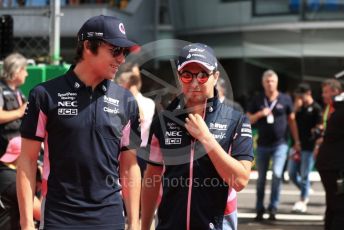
{"x":278,"y":155}
{"x":334,"y":215}
{"x":299,"y":172}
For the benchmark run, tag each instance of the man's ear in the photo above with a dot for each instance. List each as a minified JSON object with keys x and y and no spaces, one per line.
{"x":87,"y":48}
{"x":87,"y":45}
{"x":216,"y":77}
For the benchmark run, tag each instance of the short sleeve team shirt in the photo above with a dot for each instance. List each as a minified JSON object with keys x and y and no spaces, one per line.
{"x":194,"y":194}
{"x":83,"y":131}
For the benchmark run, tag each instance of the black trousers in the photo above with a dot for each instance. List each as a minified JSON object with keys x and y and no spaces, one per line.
{"x":334,"y":215}
{"x":9,"y":211}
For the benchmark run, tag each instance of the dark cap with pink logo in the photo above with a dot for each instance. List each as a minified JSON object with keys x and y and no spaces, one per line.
{"x":107,"y":28}
{"x":197,"y":53}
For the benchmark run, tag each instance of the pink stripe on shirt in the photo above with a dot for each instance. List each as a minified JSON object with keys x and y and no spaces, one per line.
{"x":42,"y":121}
{"x":46,"y":168}
{"x":231,"y":205}
{"x":155,"y":152}
{"x":126,"y":135}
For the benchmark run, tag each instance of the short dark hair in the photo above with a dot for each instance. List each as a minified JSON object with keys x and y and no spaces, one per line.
{"x":302,"y":88}
{"x":93,"y":45}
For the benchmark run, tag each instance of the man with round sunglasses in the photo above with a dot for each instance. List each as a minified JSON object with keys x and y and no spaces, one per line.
{"x":200,"y":152}
{"x":90,"y":129}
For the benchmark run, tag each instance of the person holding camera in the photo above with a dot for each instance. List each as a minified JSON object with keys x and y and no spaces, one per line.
{"x":308,"y":119}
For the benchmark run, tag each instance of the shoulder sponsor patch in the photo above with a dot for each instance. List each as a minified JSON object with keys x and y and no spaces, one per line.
{"x":246,"y":130}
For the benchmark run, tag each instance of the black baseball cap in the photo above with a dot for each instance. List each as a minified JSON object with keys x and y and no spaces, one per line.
{"x":197,"y":53}
{"x":107,"y":28}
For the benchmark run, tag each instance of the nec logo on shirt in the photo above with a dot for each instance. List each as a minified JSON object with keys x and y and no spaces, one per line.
{"x":173,"y":134}
{"x":67,"y":104}
{"x":67,"y":110}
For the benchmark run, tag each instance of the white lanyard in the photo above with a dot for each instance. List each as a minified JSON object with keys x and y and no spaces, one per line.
{"x":272,"y":106}
{"x":270,"y":118}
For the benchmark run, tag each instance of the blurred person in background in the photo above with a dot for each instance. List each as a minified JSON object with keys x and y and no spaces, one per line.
{"x":9,"y":210}
{"x":330,"y":88}
{"x":12,"y":100}
{"x":330,"y":157}
{"x":12,"y":107}
{"x":131,"y":80}
{"x":272,"y":112}
{"x":308,"y":118}
{"x":223,"y":95}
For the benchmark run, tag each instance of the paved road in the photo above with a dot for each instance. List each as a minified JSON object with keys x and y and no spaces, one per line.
{"x":286,"y":220}
{"x":312,"y":220}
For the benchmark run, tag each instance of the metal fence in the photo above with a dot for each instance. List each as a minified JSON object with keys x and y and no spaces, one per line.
{"x":31,"y":42}
{"x":36,"y":48}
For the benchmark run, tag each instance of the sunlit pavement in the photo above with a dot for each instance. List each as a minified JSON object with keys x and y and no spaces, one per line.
{"x":286,"y":219}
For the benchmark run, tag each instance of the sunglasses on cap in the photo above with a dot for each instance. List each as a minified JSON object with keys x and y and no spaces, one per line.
{"x":187,"y":77}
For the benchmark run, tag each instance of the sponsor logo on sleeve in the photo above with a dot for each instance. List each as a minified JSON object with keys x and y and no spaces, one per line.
{"x":246,"y":130}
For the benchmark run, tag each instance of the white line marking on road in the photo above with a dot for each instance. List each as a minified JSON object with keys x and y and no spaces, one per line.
{"x":313,"y":176}
{"x":285,"y":217}
{"x":283,"y":192}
